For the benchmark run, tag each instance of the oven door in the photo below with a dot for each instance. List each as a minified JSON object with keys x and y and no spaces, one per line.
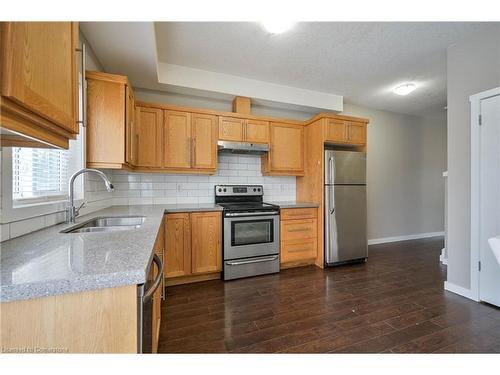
{"x":251,"y":236}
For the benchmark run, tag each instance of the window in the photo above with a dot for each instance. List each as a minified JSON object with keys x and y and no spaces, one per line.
{"x":39,"y":173}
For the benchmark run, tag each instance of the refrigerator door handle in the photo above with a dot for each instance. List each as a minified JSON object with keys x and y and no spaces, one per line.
{"x":331,"y":168}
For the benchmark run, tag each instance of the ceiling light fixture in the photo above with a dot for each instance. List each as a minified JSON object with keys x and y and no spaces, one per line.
{"x":404,"y":89}
{"x":277,"y":26}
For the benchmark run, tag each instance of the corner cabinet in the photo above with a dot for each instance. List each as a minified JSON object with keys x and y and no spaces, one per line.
{"x":39,"y":80}
{"x":193,"y":246}
{"x":286,"y":153}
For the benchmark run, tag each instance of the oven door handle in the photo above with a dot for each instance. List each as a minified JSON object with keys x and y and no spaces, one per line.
{"x":239,"y":214}
{"x":241,"y":262}
{"x":149,"y":293}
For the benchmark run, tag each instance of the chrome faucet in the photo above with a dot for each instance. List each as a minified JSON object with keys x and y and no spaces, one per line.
{"x":71,"y":211}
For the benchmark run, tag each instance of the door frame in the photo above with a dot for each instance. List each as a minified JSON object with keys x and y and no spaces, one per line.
{"x":475,"y":187}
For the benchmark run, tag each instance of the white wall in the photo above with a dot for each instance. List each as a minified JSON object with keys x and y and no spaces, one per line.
{"x":406,"y":158}
{"x":473,"y":66}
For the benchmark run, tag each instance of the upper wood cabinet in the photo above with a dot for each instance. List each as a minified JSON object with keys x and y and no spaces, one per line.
{"x":177,"y":140}
{"x":204,"y":144}
{"x":39,"y":80}
{"x":193,"y":243}
{"x":149,"y":131}
{"x":243,"y":130}
{"x":231,"y":129}
{"x":190,"y":141}
{"x":256,"y":131}
{"x":349,"y":132}
{"x":111,"y":132}
{"x":131,"y":152}
{"x":286,"y":153}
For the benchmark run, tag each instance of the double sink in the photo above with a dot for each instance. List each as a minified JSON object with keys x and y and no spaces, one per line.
{"x":107,"y":224}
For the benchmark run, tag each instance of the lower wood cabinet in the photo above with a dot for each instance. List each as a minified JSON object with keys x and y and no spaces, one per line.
{"x":299,"y":236}
{"x":193,"y":244}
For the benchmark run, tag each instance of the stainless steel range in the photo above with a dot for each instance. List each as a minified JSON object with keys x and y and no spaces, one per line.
{"x":251,"y":231}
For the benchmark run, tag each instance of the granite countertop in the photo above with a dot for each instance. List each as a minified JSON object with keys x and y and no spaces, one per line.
{"x":47,"y":262}
{"x":295,"y":204}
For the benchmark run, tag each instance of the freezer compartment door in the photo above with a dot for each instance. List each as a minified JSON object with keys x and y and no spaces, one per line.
{"x":345,"y":167}
{"x":345,"y":223}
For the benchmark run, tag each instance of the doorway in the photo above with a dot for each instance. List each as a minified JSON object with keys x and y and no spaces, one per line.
{"x":485,"y":194}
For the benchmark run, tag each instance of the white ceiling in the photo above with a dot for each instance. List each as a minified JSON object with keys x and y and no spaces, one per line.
{"x":360,"y":61}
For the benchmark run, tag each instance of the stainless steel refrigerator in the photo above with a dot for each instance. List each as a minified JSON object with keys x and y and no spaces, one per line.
{"x":345,"y":207}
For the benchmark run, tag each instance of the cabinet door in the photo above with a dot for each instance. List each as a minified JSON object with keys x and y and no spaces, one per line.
{"x":177,"y":140}
{"x":149,"y":134}
{"x":106,"y":117}
{"x":130,"y":135}
{"x":287,"y":148}
{"x":257,"y":131}
{"x":204,"y":131}
{"x":231,"y":129}
{"x":336,"y":131}
{"x":177,"y":245}
{"x":39,"y":69}
{"x":206,"y":242}
{"x":356,"y":133}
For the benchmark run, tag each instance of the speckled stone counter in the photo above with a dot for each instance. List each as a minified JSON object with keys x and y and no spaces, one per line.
{"x":295,"y":204}
{"x":47,"y":262}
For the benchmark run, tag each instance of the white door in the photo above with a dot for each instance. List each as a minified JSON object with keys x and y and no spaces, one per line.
{"x":489,"y":276}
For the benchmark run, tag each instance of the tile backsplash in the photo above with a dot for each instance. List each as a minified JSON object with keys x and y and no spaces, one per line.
{"x":156,"y":188}
{"x":159,"y":188}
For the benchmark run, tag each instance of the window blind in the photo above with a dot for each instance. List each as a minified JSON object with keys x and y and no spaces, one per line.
{"x":39,"y":172}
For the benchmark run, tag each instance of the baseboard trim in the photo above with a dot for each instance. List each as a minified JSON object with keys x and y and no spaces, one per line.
{"x":377,"y":241}
{"x":460,"y":290}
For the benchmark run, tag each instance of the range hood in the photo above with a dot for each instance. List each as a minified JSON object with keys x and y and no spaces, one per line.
{"x":228,"y":147}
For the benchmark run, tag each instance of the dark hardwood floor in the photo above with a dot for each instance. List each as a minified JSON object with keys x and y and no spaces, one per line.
{"x":395,"y":303}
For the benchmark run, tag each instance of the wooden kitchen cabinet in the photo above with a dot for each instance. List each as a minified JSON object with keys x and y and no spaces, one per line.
{"x":345,"y":132}
{"x":177,"y":245}
{"x":177,"y":140}
{"x":299,"y":236}
{"x":243,"y":130}
{"x":111,"y":132}
{"x":39,"y":80}
{"x":286,"y":153}
{"x":206,"y":242}
{"x":149,"y":131}
{"x":231,"y":129}
{"x":204,"y":141}
{"x":193,"y":244}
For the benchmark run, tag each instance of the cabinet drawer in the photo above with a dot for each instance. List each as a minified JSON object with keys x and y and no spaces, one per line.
{"x":301,"y":229}
{"x":294,"y":251}
{"x":298,"y":213}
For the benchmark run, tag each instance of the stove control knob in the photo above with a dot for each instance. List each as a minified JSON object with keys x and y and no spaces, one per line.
{"x":254,"y":190}
{"x":224,"y":190}
{"x":219,"y":190}
{"x":258,"y":189}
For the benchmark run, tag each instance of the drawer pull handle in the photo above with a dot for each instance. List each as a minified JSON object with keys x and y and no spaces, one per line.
{"x":303,"y":229}
{"x":299,"y":250}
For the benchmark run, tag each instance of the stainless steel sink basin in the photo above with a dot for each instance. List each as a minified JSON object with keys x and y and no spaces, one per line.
{"x":107,"y":224}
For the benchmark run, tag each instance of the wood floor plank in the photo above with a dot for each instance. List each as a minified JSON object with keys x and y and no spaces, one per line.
{"x":394,"y":303}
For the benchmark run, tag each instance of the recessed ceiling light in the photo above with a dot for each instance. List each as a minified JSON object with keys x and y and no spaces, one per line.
{"x":404,"y":89}
{"x":277,"y":26}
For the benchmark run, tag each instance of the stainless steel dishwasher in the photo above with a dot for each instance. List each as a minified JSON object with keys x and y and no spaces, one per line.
{"x":145,"y":294}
